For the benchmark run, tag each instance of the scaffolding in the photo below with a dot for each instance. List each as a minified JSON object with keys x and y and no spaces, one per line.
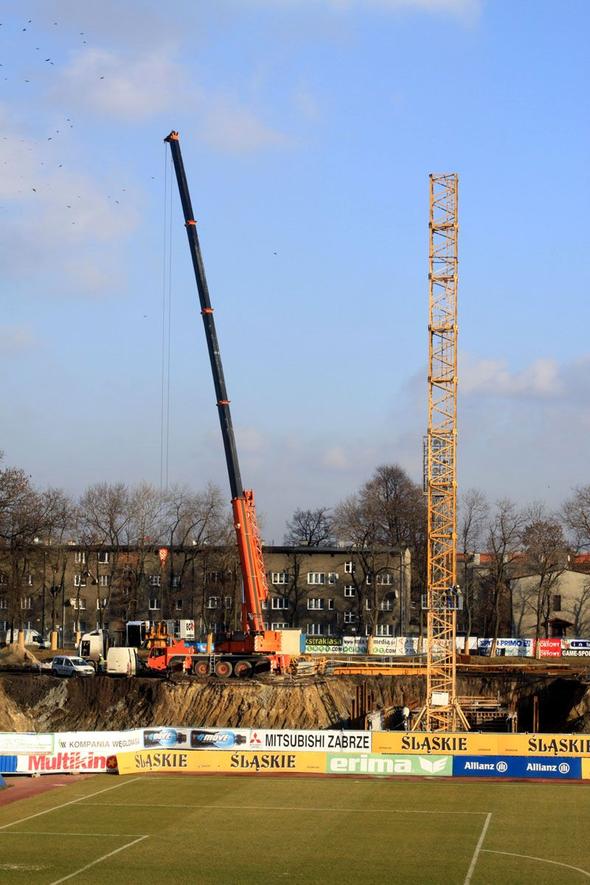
{"x":442,"y":600}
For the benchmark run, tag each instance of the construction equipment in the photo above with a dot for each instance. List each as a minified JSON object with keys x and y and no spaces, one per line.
{"x":442,"y":600}
{"x":255,"y":648}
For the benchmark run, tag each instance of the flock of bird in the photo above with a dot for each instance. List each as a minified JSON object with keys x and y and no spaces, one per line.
{"x":37,"y":186}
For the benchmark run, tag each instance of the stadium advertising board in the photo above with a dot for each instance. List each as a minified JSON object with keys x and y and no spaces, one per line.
{"x":330,"y":741}
{"x":98,"y":741}
{"x":468,"y":744}
{"x":24,"y":742}
{"x":8,"y":764}
{"x":575,"y":648}
{"x":188,"y":761}
{"x":323,"y":645}
{"x":380,"y":765}
{"x":549,"y":648}
{"x":512,"y":648}
{"x":62,"y":762}
{"x":561,"y":768}
{"x":586,"y":769}
{"x":195,"y":738}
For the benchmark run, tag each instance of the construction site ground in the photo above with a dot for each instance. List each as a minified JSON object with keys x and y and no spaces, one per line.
{"x":40,"y":702}
{"x":337,"y":830}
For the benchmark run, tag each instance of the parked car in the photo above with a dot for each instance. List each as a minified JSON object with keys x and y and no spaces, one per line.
{"x":66,"y":665}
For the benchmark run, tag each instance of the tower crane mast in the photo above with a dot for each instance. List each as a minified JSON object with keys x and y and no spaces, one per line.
{"x":442,"y":600}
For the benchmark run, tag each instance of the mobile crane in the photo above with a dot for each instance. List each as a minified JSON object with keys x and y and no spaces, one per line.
{"x":254,"y":649}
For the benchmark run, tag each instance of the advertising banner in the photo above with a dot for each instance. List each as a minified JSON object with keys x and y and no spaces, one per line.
{"x":108,"y":742}
{"x":470,"y":744}
{"x":239,"y":762}
{"x":379,"y":765}
{"x":354,"y":645}
{"x":195,"y":738}
{"x":586,"y":769}
{"x":289,"y":739}
{"x":25,"y":742}
{"x":324,"y":645}
{"x":517,"y":767}
{"x":62,"y":762}
{"x":575,"y":648}
{"x":507,"y":647}
{"x":549,"y":648}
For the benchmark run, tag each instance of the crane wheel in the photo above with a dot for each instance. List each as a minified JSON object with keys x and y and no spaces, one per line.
{"x":242,"y":669}
{"x":223,"y":669}
{"x":201,"y":668}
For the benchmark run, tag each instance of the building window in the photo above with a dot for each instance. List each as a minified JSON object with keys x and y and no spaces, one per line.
{"x":3,"y":579}
{"x":176,"y":581}
{"x":316,"y":603}
{"x":332,"y":577}
{"x":103,"y":556}
{"x":155,"y":580}
{"x":385,"y":579}
{"x":314,"y":629}
{"x":279,"y":602}
{"x":78,"y":603}
{"x":279,"y":577}
{"x":349,"y":567}
{"x":154,"y":605}
{"x":556,"y":602}
{"x":26,"y":602}
{"x":386,"y":605}
{"x":349,"y":618}
{"x":279,"y":625}
{"x":79,"y":580}
{"x":179,"y":605}
{"x":214,"y":577}
{"x":80,"y":557}
{"x":212,"y":602}
{"x":29,"y":580}
{"x":316,"y":577}
{"x":3,"y":603}
{"x":384,"y":629}
{"x":264,"y":603}
{"x":104,"y":580}
{"x":349,"y":591}
{"x":369,"y":579}
{"x":368,"y":605}
{"x":330,"y":605}
{"x":228,"y":601}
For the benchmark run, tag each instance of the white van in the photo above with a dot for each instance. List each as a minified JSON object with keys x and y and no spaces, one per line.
{"x":122,"y":661}
{"x":65,"y":665}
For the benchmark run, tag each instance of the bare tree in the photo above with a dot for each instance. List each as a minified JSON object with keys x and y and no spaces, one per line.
{"x":473,"y":514}
{"x":504,"y":545}
{"x":310,"y":528}
{"x":580,"y":612}
{"x":576,"y":516}
{"x":546,"y":558}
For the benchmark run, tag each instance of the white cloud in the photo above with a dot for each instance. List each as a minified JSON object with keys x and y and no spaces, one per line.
{"x":229,"y":127}
{"x":488,"y":376}
{"x":122,"y":86}
{"x":335,"y":458}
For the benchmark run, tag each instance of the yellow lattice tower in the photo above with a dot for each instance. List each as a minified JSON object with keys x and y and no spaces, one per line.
{"x":441,"y":711}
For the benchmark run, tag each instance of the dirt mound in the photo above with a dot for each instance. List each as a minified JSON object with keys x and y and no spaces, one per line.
{"x":13,"y":655}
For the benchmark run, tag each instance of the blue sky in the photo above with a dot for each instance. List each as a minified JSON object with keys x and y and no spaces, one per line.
{"x":308,"y":130}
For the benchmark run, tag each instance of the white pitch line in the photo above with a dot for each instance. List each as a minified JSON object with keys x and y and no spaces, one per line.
{"x":65,"y":804}
{"x":99,"y":860}
{"x":557,"y":863}
{"x":266,"y":808}
{"x":482,"y":836}
{"x":81,"y":835}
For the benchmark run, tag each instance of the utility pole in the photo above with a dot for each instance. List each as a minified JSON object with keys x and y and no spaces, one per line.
{"x":441,"y":711}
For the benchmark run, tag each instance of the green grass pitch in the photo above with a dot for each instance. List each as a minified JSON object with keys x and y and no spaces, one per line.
{"x":245,"y":830}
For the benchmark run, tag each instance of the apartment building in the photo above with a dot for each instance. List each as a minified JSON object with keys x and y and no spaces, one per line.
{"x":324,"y":591}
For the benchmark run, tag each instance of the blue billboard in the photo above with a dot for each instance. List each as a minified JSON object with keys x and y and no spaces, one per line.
{"x":559,"y":767}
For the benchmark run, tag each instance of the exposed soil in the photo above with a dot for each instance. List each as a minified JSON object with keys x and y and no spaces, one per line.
{"x":44,"y":703}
